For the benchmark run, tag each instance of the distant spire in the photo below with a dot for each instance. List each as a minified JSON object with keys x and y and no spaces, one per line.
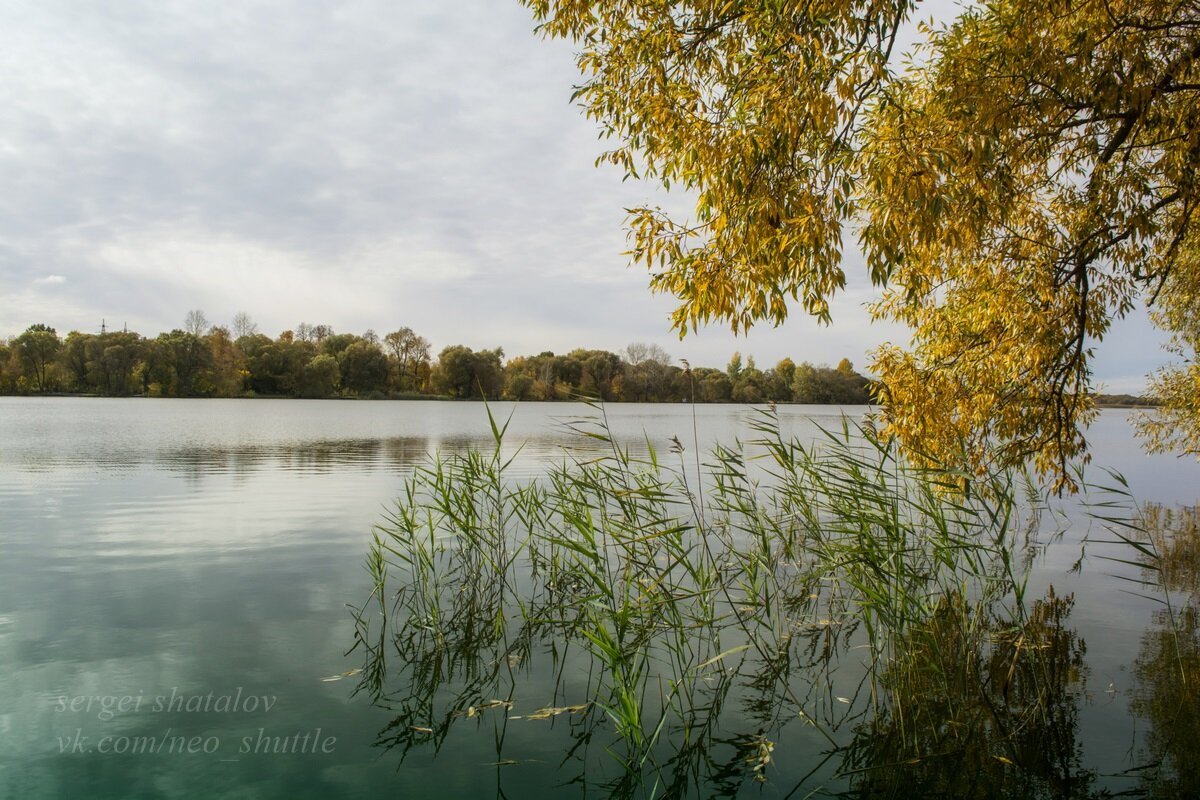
{"x":103,"y":328}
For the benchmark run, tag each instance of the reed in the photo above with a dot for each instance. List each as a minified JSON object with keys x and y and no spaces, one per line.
{"x":674,"y":588}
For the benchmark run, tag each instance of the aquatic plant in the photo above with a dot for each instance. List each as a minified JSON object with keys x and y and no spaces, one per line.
{"x":688,"y":616}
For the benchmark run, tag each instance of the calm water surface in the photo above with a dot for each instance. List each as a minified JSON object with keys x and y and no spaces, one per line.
{"x":179,"y":571}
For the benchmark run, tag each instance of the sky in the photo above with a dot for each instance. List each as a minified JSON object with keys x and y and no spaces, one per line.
{"x":362,"y":164}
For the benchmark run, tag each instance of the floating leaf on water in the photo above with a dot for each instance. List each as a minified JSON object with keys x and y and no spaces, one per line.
{"x":547,"y":713}
{"x":1004,"y":760}
{"x":513,"y":660}
{"x":717,"y":658}
{"x":508,"y":762}
{"x":495,"y":704}
{"x":476,"y":710}
{"x":420,"y":729}
{"x":845,"y":700}
{"x":760,"y":757}
{"x":347,"y":674}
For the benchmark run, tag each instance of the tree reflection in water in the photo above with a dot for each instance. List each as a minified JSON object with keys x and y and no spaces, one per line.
{"x":978,"y":713}
{"x":836,"y":624}
{"x":1167,"y":669}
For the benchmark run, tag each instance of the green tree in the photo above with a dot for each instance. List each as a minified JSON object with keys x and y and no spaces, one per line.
{"x":462,"y":372}
{"x":597,"y":369}
{"x":37,"y":348}
{"x":363,"y":366}
{"x":748,"y":382}
{"x":822,"y":385}
{"x":321,"y":377}
{"x":10,"y":368}
{"x":746,"y":391}
{"x":518,"y":385}
{"x":155,"y":373}
{"x":276,"y":367}
{"x":712,"y":386}
{"x":408,"y":353}
{"x":806,"y":385}
{"x":335,"y":343}
{"x":115,"y":356}
{"x":227,"y":363}
{"x":1026,"y":181}
{"x":183,"y":359}
{"x":77,"y":356}
{"x":551,"y":377}
{"x":734,"y":368}
{"x":648,"y":381}
{"x":778,"y":381}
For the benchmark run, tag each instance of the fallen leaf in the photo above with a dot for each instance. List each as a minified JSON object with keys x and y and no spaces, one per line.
{"x":547,"y":713}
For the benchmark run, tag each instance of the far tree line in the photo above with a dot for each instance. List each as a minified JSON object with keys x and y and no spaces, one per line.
{"x":314,"y":361}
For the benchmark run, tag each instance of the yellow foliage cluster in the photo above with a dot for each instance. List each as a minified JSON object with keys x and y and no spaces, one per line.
{"x":1174,"y":426}
{"x":1024,"y":182}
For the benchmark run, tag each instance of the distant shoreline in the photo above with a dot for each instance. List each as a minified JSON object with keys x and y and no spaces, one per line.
{"x":1103,"y":402}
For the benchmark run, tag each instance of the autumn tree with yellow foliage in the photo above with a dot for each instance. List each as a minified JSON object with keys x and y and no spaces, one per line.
{"x":1174,"y":425}
{"x":1027,"y":180}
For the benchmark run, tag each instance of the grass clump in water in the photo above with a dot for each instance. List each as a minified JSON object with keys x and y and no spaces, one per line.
{"x":684,"y":619}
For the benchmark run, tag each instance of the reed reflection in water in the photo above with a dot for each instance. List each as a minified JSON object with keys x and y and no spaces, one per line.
{"x":848,"y":625}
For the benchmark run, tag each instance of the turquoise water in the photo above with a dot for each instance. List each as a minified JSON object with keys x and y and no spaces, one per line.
{"x":175,"y":579}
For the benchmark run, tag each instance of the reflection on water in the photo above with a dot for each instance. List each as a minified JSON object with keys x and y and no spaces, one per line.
{"x":242,"y":437}
{"x":962,"y":716}
{"x":1167,"y":669}
{"x":321,"y":455}
{"x":866,"y":623}
{"x":213,"y":545}
{"x":1174,"y":535}
{"x":1167,"y":695}
{"x":873,"y":624}
{"x":979,"y":713}
{"x":399,"y":453}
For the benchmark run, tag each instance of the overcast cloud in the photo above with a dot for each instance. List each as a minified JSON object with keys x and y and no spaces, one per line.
{"x":360,"y":164}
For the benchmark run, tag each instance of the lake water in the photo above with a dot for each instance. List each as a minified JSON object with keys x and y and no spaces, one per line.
{"x":175,"y":577}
